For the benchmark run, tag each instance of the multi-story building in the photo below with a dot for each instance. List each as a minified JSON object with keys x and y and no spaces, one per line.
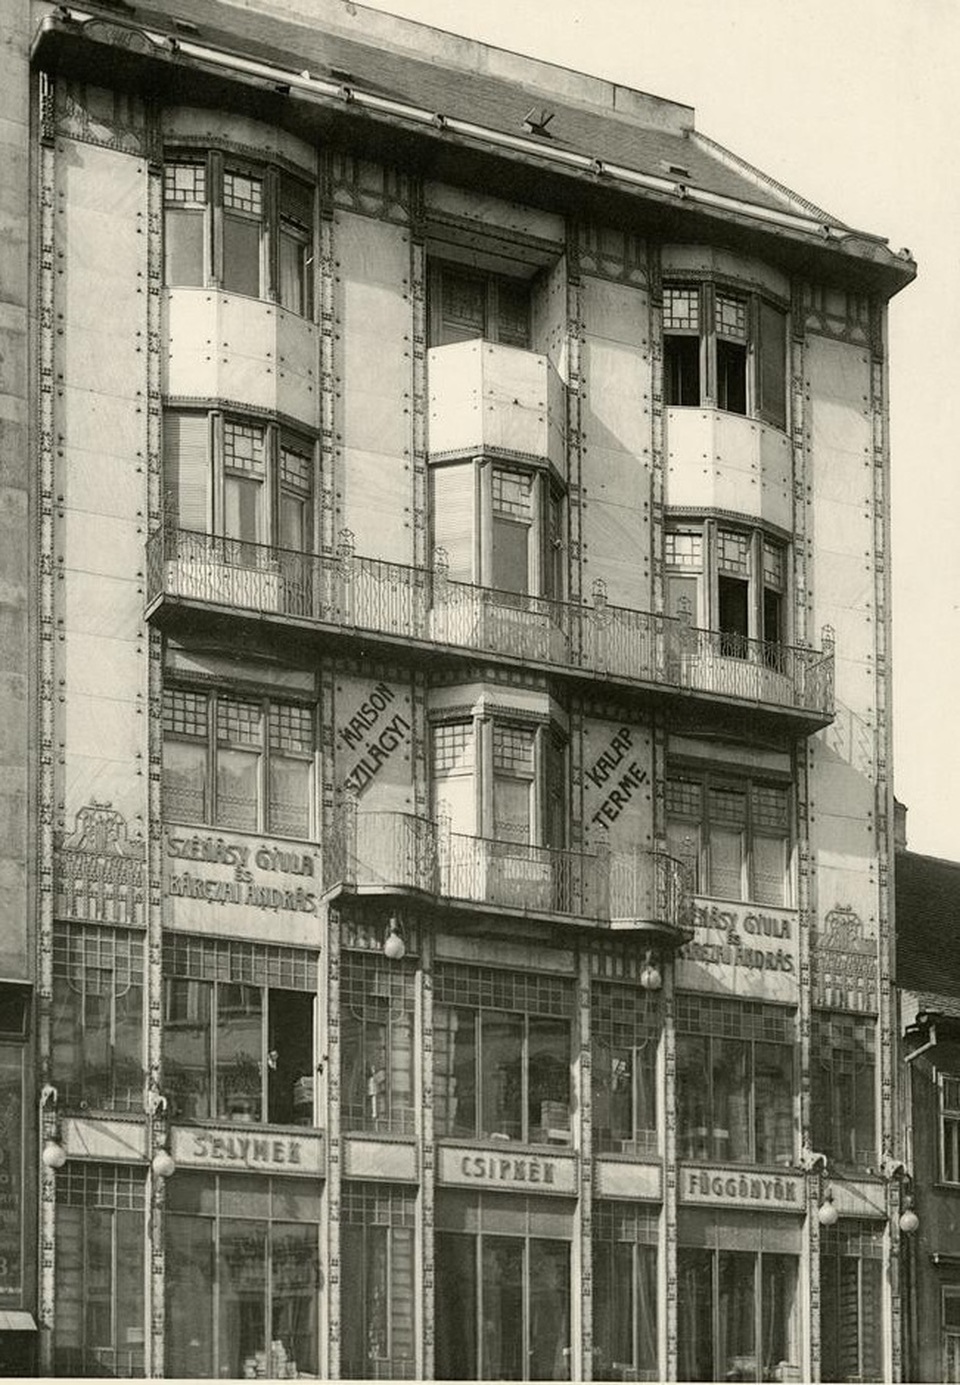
{"x":462,"y":878}
{"x":928,"y":984}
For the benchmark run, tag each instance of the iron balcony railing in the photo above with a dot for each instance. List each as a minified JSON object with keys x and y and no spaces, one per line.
{"x":423,"y":605}
{"x":388,"y":851}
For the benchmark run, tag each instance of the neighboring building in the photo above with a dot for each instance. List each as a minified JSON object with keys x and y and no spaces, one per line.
{"x":461,"y":520}
{"x":928,"y":982}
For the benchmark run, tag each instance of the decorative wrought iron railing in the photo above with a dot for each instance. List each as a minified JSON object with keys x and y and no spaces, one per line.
{"x":598,"y":639}
{"x":392,"y":850}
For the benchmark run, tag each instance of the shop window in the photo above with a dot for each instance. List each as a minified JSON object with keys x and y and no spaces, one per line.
{"x":14,"y":1011}
{"x":241,"y":226}
{"x":97,"y":1020}
{"x":249,"y":482}
{"x":502,"y":1055}
{"x":737,"y":1315}
{"x":949,"y":1087}
{"x":376,"y":1039}
{"x":500,"y":526}
{"x":238,"y":1031}
{"x":377,"y":1282}
{"x":624,"y":1250}
{"x":843,"y":1089}
{"x":725,"y":348}
{"x":242,"y":1277}
{"x":502,"y":1300}
{"x":732,"y":580}
{"x":625,"y":1037}
{"x":851,"y":1301}
{"x":99,"y":1319}
{"x":241,"y":762}
{"x":732,"y":834}
{"x":736,"y":1081}
{"x":950,"y":1319}
{"x":467,"y":303}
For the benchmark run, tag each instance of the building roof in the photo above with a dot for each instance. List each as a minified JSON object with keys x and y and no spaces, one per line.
{"x":454,"y":103}
{"x":928,"y":924}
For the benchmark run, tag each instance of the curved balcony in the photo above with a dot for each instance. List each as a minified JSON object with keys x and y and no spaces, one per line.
{"x":421,"y":608}
{"x":391,"y":852}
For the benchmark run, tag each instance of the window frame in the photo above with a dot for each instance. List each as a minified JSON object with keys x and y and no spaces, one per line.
{"x":444,"y":330}
{"x":863,"y":1065}
{"x":717,"y":1256}
{"x":633,"y":1227}
{"x":85,"y":949}
{"x":370,"y":1216}
{"x":377,"y":993}
{"x":266,"y":754}
{"x":718,"y":337}
{"x":622,"y":1021}
{"x":840,"y":1244}
{"x":948,"y":1119}
{"x":274,"y":220}
{"x":708,"y":564}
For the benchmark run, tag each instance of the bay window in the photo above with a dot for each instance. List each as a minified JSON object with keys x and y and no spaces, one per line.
{"x":624,"y":1250}
{"x":851,"y":1301}
{"x":843,"y":1094}
{"x":242,"y":762}
{"x":378,"y":1277}
{"x":736,"y":1081}
{"x":238,"y":1031}
{"x":248,"y":481}
{"x":732,"y":834}
{"x":97,"y":1022}
{"x":731,"y":579}
{"x":501,"y":779}
{"x":377,"y":1044}
{"x":725,"y":347}
{"x":736,"y":1315}
{"x":502,"y":1055}
{"x":625,"y":1036}
{"x":241,"y":226}
{"x":242,"y":1277}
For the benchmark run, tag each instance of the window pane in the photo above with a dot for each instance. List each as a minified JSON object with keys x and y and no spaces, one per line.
{"x":455,"y":1071}
{"x":186,"y":1046}
{"x":239,"y":1020}
{"x":513,"y":312}
{"x":129,"y":1280}
{"x":500,"y":1068}
{"x":731,"y":1099}
{"x":238,"y":773}
{"x":681,"y":370}
{"x":731,"y":376}
{"x":462,"y":307}
{"x":871,"y":1290}
{"x":736,"y":1318}
{"x":241,"y":255}
{"x":512,"y":809}
{"x":695,"y":1315}
{"x":289,"y":805}
{"x":549,"y":1349}
{"x":456,"y":1307}
{"x":294,"y":523}
{"x":184,"y":781}
{"x":243,"y":509}
{"x":295,"y":277}
{"x":773,"y":365}
{"x":548,"y":1080}
{"x":733,"y":616}
{"x":127,"y":1077}
{"x":502,"y":1353}
{"x":290,"y":1060}
{"x":183,"y":247}
{"x":773,"y":1103}
{"x":612,"y":1309}
{"x":693,"y":1095}
{"x":511,"y":555}
{"x":242,"y":1309}
{"x":726,"y":863}
{"x":294,"y":1280}
{"x":769,"y":870}
{"x":612,"y":1080}
{"x":778,"y":1322}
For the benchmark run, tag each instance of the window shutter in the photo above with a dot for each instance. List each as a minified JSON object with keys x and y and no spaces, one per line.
{"x":454,"y":518}
{"x":186,"y":470}
{"x":773,"y":365}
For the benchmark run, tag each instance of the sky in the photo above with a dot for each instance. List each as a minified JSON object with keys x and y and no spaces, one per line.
{"x":855,"y":104}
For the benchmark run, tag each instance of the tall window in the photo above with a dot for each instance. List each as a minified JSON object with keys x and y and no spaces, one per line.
{"x":732,"y":580}
{"x":241,"y":479}
{"x":851,"y":1301}
{"x":625,"y":1036}
{"x":241,"y":226}
{"x":736,"y":1315}
{"x":502,"y":1055}
{"x":377,"y":1282}
{"x":950,"y":1319}
{"x":732,"y":834}
{"x":468,"y":303}
{"x":97,"y":1026}
{"x":242,"y":1276}
{"x":624,"y":1250}
{"x":736,"y":1081}
{"x":238,"y":1030}
{"x":502,"y":1300}
{"x":949,"y":1127}
{"x":376,"y":1038}
{"x":239,"y":762}
{"x":99,"y":1322}
{"x":727,"y":348}
{"x":843,"y":1088}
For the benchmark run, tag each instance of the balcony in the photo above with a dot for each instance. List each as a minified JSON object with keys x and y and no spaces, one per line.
{"x":391,"y":852}
{"x":421,"y":608}
{"x":502,"y":399}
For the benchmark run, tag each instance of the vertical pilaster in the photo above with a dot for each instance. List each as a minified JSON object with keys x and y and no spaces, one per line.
{"x":667,"y":1325}
{"x":581,"y":1368}
{"x":330,"y":1207}
{"x":425,"y":1238}
{"x":418,"y":295}
{"x":328,"y":520}
{"x":574,"y":412}
{"x":657,"y":471}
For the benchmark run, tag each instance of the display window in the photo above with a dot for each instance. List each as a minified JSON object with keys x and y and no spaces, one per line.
{"x":97,"y":1019}
{"x":851,"y":1301}
{"x":377,"y":1282}
{"x":843,"y":1088}
{"x":376,"y":1044}
{"x":737,"y":1315}
{"x":625,"y":1037}
{"x":624,"y":1251}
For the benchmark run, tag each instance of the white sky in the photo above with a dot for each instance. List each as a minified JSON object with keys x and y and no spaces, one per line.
{"x":856,"y":105}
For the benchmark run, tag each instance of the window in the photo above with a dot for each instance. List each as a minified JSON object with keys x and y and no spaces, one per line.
{"x":468,"y":303}
{"x":736,"y":1315}
{"x":851,"y":1301}
{"x":238,"y":1031}
{"x":242,"y":1276}
{"x":376,"y":1037}
{"x":502,"y":1055}
{"x":726,"y":348}
{"x":733,"y":835}
{"x":736,"y":1081}
{"x":949,"y":1127}
{"x":377,"y":1282}
{"x":97,"y":1025}
{"x":624,"y":1249}
{"x":499,"y":526}
{"x":950,"y":1317}
{"x":244,"y":480}
{"x":245,"y":227}
{"x":99,"y":1322}
{"x":516,"y":771}
{"x":843,"y":1089}
{"x":625,"y":1037}
{"x":502,"y":1300}
{"x":239,"y":762}
{"x":732,"y":580}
